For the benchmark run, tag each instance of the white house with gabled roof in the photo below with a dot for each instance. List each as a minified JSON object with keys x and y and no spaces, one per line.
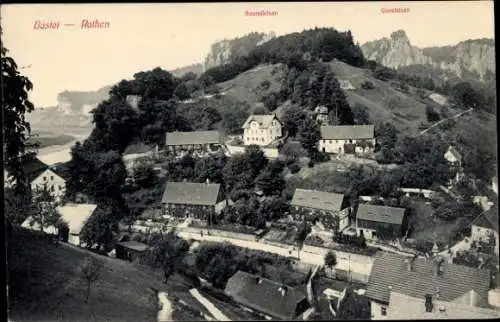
{"x":261,"y":130}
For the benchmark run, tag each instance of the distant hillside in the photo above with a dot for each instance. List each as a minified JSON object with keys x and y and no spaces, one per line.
{"x":194,"y":68}
{"x":471,"y":59}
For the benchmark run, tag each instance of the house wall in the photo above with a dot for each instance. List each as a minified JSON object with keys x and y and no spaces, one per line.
{"x":55,"y":184}
{"x":255,"y":135}
{"x":322,"y":215}
{"x":74,"y":239}
{"x":337,"y":146}
{"x":193,"y":211}
{"x":367,"y":228}
{"x":376,"y":310}
{"x":201,"y":149}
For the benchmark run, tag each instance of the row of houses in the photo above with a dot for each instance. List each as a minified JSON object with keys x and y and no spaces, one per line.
{"x":261,"y":130}
{"x":399,"y":288}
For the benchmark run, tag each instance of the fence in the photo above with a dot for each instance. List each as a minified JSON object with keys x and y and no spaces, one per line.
{"x":219,"y":233}
{"x":271,"y":153}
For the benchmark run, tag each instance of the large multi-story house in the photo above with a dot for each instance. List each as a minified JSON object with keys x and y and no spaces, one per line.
{"x":347,"y":139}
{"x":193,"y":200}
{"x":402,"y":287}
{"x":325,"y":207}
{"x":261,"y":130}
{"x":380,"y":222}
{"x":40,"y":177}
{"x":198,"y":142}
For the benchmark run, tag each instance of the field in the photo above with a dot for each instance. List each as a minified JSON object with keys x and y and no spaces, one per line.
{"x":45,"y":285}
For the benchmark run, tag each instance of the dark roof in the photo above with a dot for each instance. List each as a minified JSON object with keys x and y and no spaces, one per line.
{"x":134,"y":245}
{"x":196,"y":137}
{"x":33,"y":168}
{"x":138,"y":148}
{"x":263,"y":120}
{"x":191,"y":193}
{"x":385,"y":214}
{"x":487,"y":219}
{"x":330,"y":132}
{"x":391,"y":270}
{"x":265,"y":296}
{"x":318,"y":200}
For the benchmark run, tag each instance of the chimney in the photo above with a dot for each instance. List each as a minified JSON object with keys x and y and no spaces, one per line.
{"x":283,"y":290}
{"x":438,"y":267}
{"x":472,"y":298}
{"x":428,"y":303}
{"x":207,"y":181}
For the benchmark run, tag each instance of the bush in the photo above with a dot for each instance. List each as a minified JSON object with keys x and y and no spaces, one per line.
{"x":310,"y":164}
{"x":367,"y":85}
{"x":294,"y":167}
{"x":432,"y":115}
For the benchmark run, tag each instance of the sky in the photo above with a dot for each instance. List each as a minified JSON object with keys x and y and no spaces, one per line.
{"x":143,"y":36}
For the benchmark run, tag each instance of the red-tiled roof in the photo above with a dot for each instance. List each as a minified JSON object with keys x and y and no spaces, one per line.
{"x":391,"y":270}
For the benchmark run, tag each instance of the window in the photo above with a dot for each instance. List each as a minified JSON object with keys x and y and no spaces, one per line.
{"x":52,"y":178}
{"x":52,"y":188}
{"x":60,"y":188}
{"x":383,"y":310}
{"x":44,"y":178}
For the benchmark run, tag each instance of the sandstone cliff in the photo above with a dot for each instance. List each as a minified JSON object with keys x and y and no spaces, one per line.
{"x":467,"y":58}
{"x":224,"y":51}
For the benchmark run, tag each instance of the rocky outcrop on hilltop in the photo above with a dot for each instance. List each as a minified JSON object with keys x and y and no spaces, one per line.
{"x":471,"y":57}
{"x":224,"y":51}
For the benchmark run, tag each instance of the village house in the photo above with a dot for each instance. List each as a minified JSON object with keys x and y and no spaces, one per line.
{"x":193,"y":200}
{"x":321,"y":115}
{"x":75,"y":215}
{"x":136,"y":153}
{"x":133,"y":101}
{"x":380,"y":222}
{"x":41,"y":176}
{"x":348,"y":139}
{"x":346,"y":84}
{"x":485,"y":226}
{"x":198,"y":142}
{"x":274,"y":300}
{"x":325,"y":207}
{"x":454,"y":159}
{"x":130,"y":250}
{"x":437,"y":286}
{"x":261,"y":130}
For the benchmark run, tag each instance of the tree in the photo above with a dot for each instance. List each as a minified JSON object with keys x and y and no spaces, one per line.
{"x":309,"y":135}
{"x":16,"y":129}
{"x":274,"y":208}
{"x":361,"y":116}
{"x":271,"y":180}
{"x":330,"y":260}
{"x":102,"y":225}
{"x":353,"y":307}
{"x":166,"y":252}
{"x":181,"y":92}
{"x":91,"y":271}
{"x":293,"y":118}
{"x":45,"y":212}
{"x":144,"y":175}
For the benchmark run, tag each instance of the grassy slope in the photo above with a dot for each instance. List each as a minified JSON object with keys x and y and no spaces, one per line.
{"x":45,"y":285}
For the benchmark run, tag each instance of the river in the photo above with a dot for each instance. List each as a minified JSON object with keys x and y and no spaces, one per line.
{"x":59,"y":153}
